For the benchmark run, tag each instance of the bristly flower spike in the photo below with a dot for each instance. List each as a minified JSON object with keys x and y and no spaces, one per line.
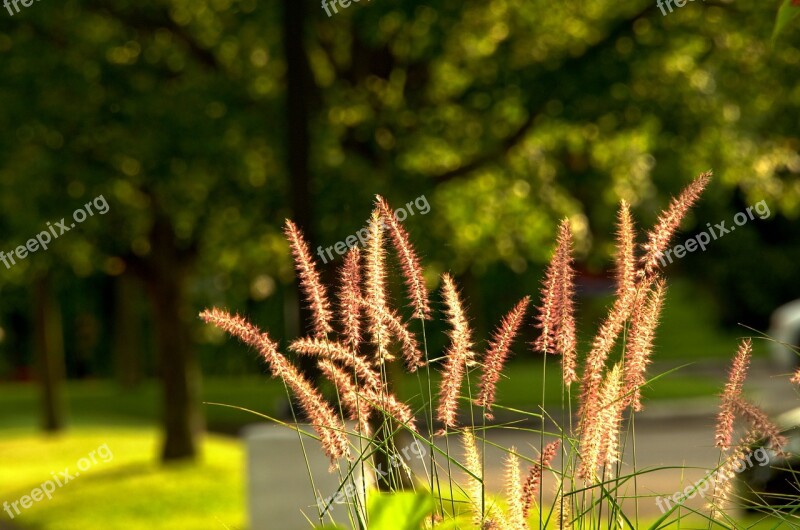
{"x":409,"y":261}
{"x":534,"y":480}
{"x":350,"y":298}
{"x":499,"y":348}
{"x":328,"y":426}
{"x":732,"y":391}
{"x":668,"y":222}
{"x":377,"y":305}
{"x":639,"y":347}
{"x":310,"y":280}
{"x":556,"y":317}
{"x":459,"y":354}
{"x":626,"y":251}
{"x":516,"y":517}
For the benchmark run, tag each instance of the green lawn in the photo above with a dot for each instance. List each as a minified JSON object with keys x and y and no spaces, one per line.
{"x":128,"y":491}
{"x":686,"y":335}
{"x":137,"y":492}
{"x":104,"y":403}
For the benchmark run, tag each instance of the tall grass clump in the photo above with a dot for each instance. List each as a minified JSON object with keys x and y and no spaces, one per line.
{"x":358,"y":336}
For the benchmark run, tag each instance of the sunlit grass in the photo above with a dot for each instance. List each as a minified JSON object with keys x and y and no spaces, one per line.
{"x":129,"y":492}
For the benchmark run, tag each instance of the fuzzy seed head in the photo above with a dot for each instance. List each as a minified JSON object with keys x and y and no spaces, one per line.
{"x":732,"y":391}
{"x":328,"y":426}
{"x":599,"y":440}
{"x":341,"y":353}
{"x":409,"y":261}
{"x":376,"y":287}
{"x":459,"y":354}
{"x":668,"y":222}
{"x":626,"y":251}
{"x":350,"y":298}
{"x":534,"y":480}
{"x":310,"y":282}
{"x":348,"y":393}
{"x":497,"y":354}
{"x":556,"y":317}
{"x":639,"y":347}
{"x":516,"y":517}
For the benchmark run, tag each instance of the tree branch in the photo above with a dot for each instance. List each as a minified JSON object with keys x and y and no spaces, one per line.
{"x":623,"y":27}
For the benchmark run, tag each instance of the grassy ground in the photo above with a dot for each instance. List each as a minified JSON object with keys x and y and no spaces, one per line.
{"x":126,"y":490}
{"x":687,"y":335}
{"x":129,"y":491}
{"x":138,"y":493}
{"x":104,"y":403}
{"x":92,"y":403}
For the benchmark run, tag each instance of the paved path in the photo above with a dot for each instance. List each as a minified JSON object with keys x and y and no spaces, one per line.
{"x":677,"y":433}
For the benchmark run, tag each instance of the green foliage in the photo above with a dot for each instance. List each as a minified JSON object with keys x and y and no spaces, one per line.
{"x":510,"y":114}
{"x":396,"y":511}
{"x":787,"y":12}
{"x":399,"y":511}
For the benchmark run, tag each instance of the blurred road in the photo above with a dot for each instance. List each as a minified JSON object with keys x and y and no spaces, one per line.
{"x":678,"y":433}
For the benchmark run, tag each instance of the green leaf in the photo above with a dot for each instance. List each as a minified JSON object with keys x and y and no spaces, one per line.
{"x":398,"y":511}
{"x":786,"y":14}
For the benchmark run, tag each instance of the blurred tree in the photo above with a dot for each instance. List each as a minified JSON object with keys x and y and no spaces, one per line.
{"x":127,"y":343}
{"x":49,"y":353}
{"x":507,"y":114}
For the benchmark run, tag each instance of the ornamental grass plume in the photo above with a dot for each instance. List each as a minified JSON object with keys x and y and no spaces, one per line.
{"x":491,"y":517}
{"x":459,"y":354}
{"x":594,"y":367}
{"x":625,"y":259}
{"x":375,"y":296}
{"x":348,"y":393}
{"x":310,"y":281}
{"x":556,"y":317}
{"x":732,"y":391}
{"x":350,"y":298}
{"x":723,"y":485}
{"x":631,"y":299}
{"x":610,"y":418}
{"x":409,"y":261}
{"x":760,"y":423}
{"x":668,"y":222}
{"x":516,"y":515}
{"x":328,"y":426}
{"x":474,"y":487}
{"x":497,"y":353}
{"x":734,"y":404}
{"x":599,"y":439}
{"x":534,"y":480}
{"x":388,"y":404}
{"x":373,"y":392}
{"x":336,"y":351}
{"x":561,"y":510}
{"x":639,"y":347}
{"x":412,"y":355}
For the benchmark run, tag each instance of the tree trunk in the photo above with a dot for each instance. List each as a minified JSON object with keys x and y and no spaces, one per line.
{"x":299,"y":92}
{"x":165,"y":271}
{"x":127,"y":342}
{"x":49,"y":344}
{"x":178,"y":368}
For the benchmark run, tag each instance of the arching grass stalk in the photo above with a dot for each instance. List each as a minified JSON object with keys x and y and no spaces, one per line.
{"x":434,"y":475}
{"x":541,"y":431}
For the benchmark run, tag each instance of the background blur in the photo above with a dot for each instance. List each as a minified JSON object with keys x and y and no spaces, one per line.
{"x":204,"y":124}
